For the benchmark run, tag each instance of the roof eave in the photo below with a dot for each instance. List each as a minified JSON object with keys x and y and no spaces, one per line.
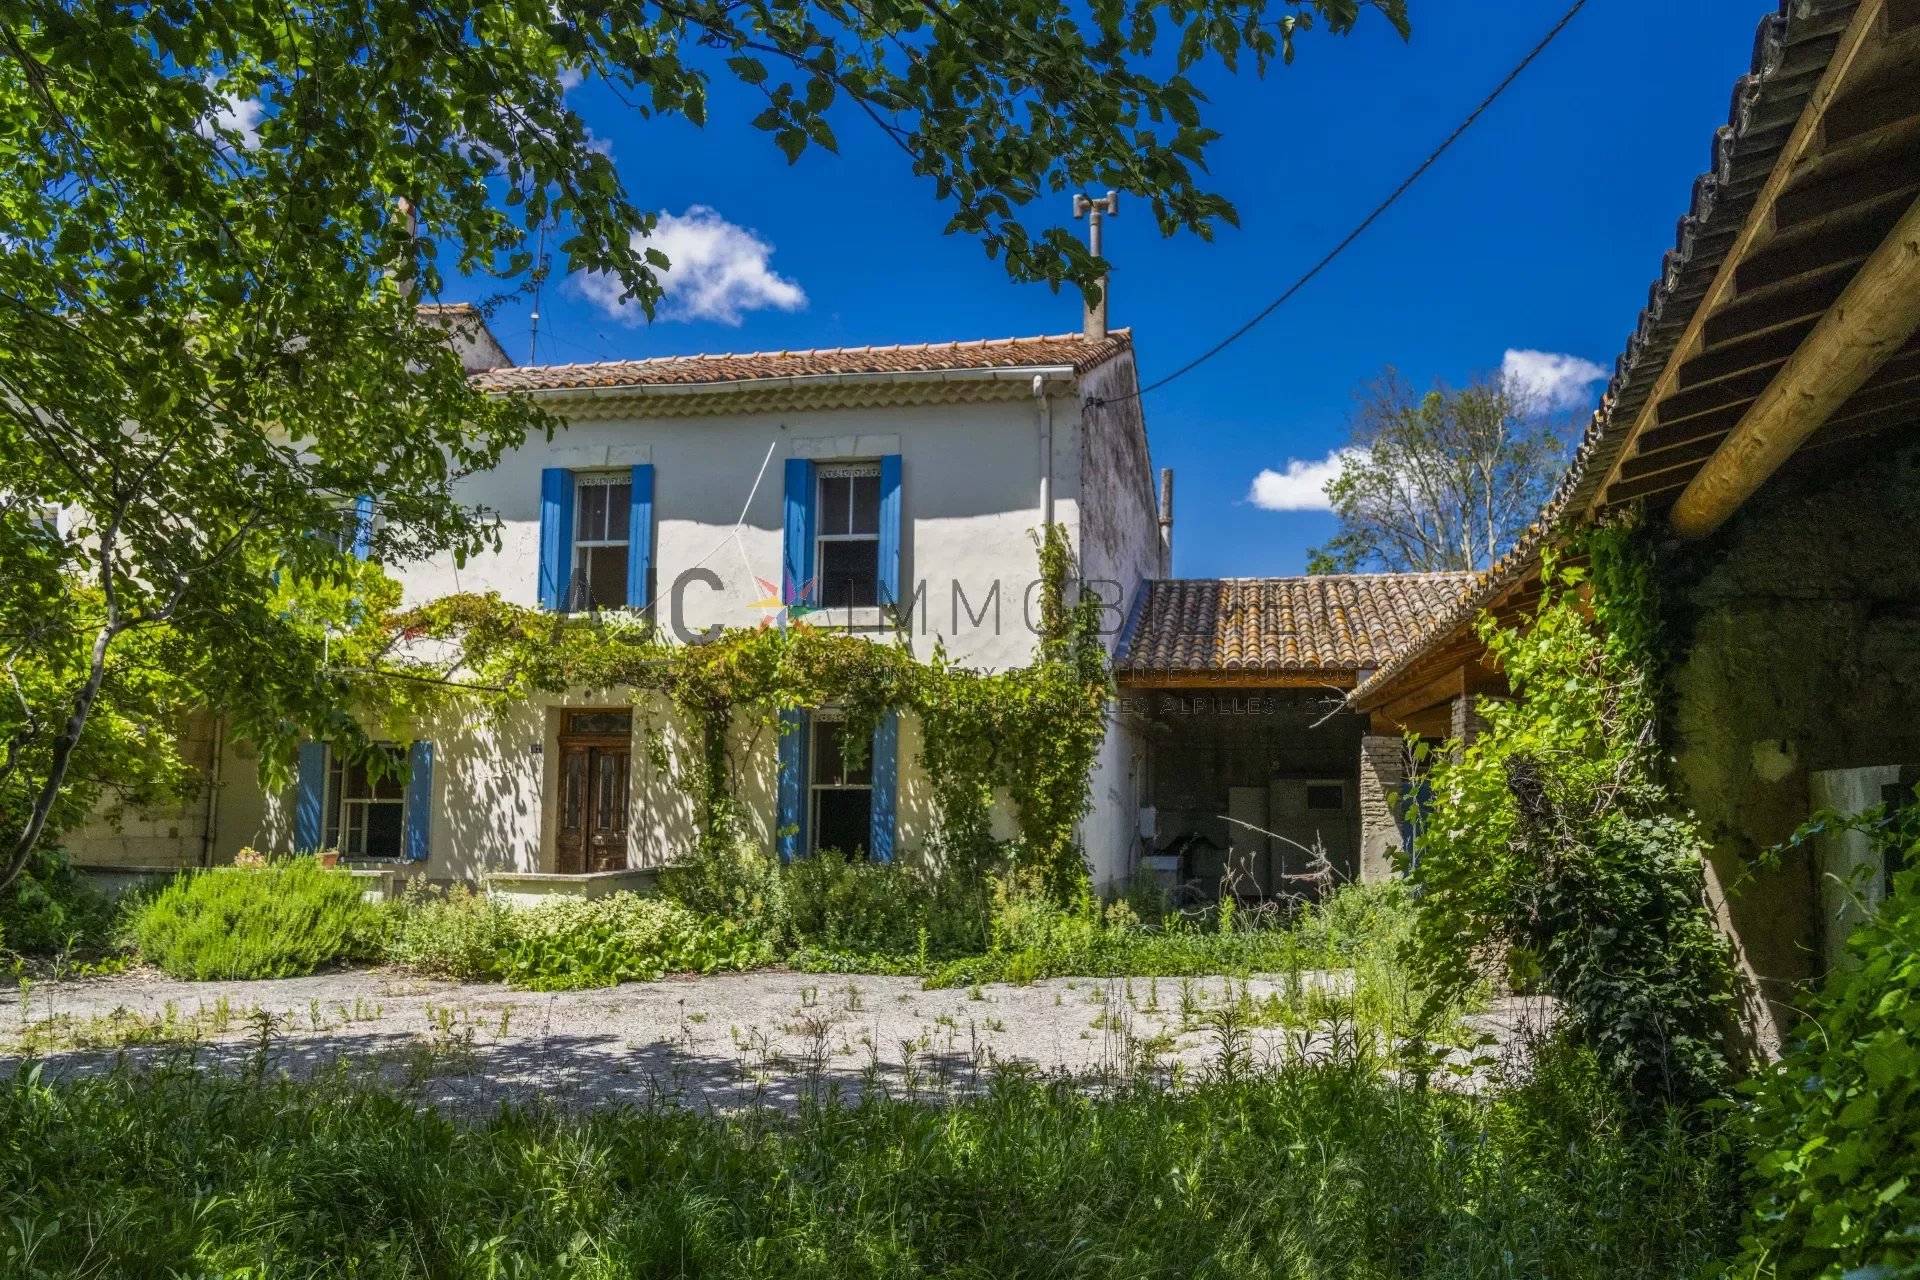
{"x":802,"y":382}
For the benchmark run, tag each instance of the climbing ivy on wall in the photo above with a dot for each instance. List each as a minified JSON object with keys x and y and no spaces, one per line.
{"x":1032,"y":732}
{"x":1553,"y":835}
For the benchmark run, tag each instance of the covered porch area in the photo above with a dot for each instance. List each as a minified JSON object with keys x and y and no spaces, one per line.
{"x":1260,"y":782}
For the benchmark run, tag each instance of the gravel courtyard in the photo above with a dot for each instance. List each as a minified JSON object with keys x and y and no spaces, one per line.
{"x":725,"y":1041}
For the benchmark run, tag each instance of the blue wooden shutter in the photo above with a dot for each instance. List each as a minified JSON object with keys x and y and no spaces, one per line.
{"x":419,"y":801}
{"x":890,"y":531}
{"x":886,"y":783}
{"x":363,"y":526}
{"x":640,"y":538}
{"x":556,"y":536}
{"x":795,"y":729}
{"x":796,"y":562}
{"x":310,"y":797}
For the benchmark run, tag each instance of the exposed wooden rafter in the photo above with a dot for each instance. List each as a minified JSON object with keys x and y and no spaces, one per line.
{"x":1875,"y":317}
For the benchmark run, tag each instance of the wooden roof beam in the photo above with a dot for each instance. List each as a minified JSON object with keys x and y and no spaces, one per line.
{"x":1874,"y":317}
{"x":1802,"y":144}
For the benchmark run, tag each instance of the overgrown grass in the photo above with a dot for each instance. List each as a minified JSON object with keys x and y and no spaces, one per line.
{"x":1328,"y":1170}
{"x":278,"y":921}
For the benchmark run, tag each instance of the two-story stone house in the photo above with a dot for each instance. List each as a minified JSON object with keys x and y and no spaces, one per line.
{"x":710,"y":492}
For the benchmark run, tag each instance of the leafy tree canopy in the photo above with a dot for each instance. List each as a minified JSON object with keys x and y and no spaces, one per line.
{"x":216,"y":219}
{"x":1447,"y":480}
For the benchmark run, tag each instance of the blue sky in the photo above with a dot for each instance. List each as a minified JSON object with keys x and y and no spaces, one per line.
{"x":1540,"y":231}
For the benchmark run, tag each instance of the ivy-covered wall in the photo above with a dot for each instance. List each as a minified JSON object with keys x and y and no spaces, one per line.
{"x":1797,"y":635}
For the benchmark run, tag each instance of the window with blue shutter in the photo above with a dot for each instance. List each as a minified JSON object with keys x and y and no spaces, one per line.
{"x":419,"y":801}
{"x":310,"y":797}
{"x":640,"y":539}
{"x":890,"y":531}
{"x":797,"y":585}
{"x":556,"y":536}
{"x":363,"y":526}
{"x":886,"y":785}
{"x":791,"y":837}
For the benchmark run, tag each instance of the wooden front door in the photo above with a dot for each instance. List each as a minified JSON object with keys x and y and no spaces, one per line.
{"x":596,"y":758}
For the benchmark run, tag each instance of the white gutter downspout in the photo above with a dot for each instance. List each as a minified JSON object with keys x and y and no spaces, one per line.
{"x":1044,"y":410}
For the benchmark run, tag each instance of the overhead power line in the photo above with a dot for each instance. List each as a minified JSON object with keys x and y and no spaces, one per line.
{"x":1365,"y":222}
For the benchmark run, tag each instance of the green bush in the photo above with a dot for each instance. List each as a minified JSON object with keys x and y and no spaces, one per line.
{"x":50,"y":910}
{"x":453,"y":933}
{"x":1328,"y":1170}
{"x":1553,"y":834}
{"x":855,"y":906}
{"x":598,"y":942}
{"x":728,"y":878}
{"x":1836,"y":1127}
{"x":278,"y":921}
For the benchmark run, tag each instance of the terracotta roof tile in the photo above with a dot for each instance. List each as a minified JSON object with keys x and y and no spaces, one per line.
{"x":927,"y":357}
{"x":1331,"y":622}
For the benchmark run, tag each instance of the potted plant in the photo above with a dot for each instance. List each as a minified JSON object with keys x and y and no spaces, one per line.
{"x":327,"y":857}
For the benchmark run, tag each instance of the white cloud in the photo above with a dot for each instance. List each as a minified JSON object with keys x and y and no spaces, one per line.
{"x":719,"y":272}
{"x":242,"y":115}
{"x":1302,"y":486}
{"x":571,"y":78}
{"x":1560,"y":381}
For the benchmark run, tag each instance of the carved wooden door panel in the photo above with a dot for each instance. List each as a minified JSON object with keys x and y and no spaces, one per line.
{"x":595,"y":780}
{"x":608,"y":770}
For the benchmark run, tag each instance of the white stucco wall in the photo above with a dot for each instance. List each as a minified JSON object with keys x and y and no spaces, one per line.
{"x":970,"y":489}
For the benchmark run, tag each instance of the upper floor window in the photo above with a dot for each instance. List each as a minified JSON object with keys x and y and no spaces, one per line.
{"x":848,"y":514}
{"x":841,"y":796}
{"x":602,"y":503}
{"x":367,"y":805}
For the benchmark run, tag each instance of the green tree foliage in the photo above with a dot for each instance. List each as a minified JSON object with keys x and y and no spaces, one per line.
{"x":1836,"y":1128}
{"x":216,"y":220}
{"x":1552,"y":834}
{"x":1445,"y":480}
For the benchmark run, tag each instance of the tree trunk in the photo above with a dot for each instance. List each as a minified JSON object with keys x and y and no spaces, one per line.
{"x":62,"y":757}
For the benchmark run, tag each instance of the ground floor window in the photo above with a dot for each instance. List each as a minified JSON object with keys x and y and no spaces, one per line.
{"x":367,"y":804}
{"x":841,"y":795}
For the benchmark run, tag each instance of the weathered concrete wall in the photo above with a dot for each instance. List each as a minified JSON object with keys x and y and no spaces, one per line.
{"x":1119,"y":552}
{"x":1120,"y":521}
{"x":1800,"y":628}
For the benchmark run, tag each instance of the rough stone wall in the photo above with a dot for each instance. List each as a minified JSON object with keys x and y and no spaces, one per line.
{"x":172,"y":835}
{"x":1383,"y":772}
{"x":1799,"y":626}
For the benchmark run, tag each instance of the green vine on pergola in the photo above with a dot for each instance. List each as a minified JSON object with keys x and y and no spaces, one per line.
{"x":1032,"y":732}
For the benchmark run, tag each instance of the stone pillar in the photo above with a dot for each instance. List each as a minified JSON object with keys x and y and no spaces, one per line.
{"x":1383,"y":773}
{"x":1468,"y":723}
